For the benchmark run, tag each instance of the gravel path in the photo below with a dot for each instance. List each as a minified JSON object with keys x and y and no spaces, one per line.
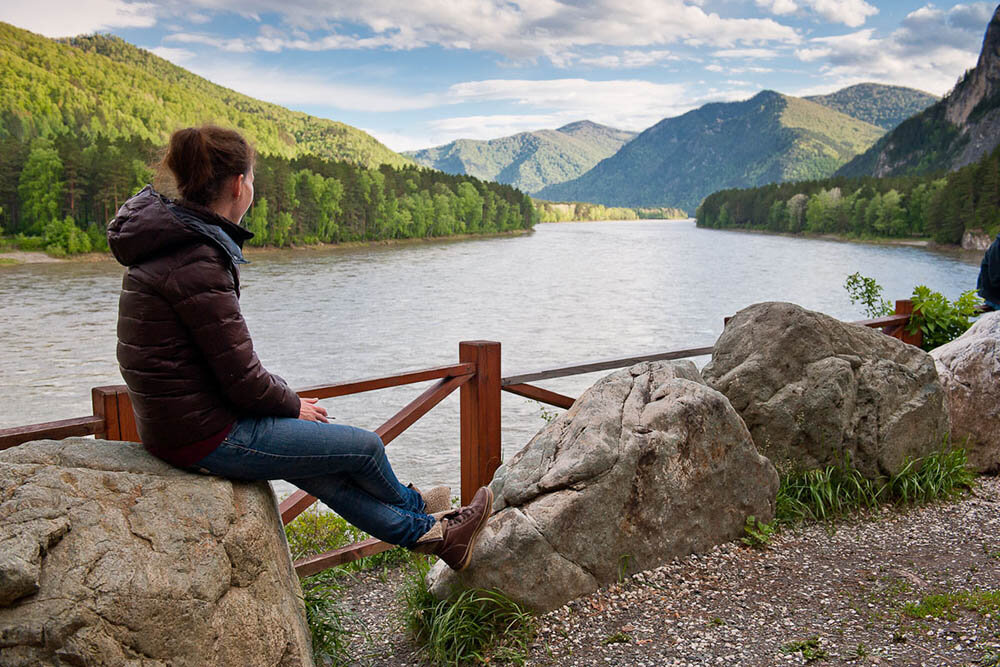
{"x":817,"y":594}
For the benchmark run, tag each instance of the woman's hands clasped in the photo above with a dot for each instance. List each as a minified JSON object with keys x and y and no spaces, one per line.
{"x":310,"y":411}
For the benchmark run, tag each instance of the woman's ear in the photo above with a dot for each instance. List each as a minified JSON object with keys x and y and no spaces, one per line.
{"x":237,"y":186}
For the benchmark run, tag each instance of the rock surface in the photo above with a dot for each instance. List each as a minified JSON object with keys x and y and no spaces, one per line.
{"x":969,"y":367}
{"x":815,"y":391}
{"x":649,"y":464}
{"x":111,"y":557}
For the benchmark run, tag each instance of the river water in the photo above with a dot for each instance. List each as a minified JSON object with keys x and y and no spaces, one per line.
{"x":565,"y":293}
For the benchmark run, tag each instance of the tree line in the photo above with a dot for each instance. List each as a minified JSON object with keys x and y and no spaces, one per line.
{"x":942,"y":207}
{"x":58,"y":193}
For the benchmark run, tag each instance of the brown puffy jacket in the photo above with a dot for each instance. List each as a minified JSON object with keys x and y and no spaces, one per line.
{"x":183,"y":346}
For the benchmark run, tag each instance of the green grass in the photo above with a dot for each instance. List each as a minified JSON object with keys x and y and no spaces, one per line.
{"x":316,"y":531}
{"x":327,"y":618}
{"x":809,"y":648}
{"x":835,"y":491}
{"x":474,"y":627}
{"x":946,"y":605}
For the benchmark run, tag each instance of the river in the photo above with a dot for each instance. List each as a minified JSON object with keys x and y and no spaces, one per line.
{"x":562,"y":294}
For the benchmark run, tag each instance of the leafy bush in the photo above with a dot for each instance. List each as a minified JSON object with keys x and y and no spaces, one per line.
{"x":316,"y":531}
{"x":934,"y":316}
{"x":63,"y":237}
{"x":475,"y":626}
{"x":869,"y":293}
{"x":938,"y":319}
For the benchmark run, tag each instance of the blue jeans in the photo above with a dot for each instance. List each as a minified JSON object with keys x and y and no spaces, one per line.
{"x":992,"y":305}
{"x":343,"y":466}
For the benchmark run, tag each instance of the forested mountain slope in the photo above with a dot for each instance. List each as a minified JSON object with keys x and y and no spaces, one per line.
{"x":876,"y":103}
{"x":768,"y":138}
{"x":528,"y":160}
{"x":102,"y":85}
{"x":956,"y":131}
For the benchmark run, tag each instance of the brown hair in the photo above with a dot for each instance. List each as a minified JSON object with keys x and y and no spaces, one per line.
{"x":202,"y":158}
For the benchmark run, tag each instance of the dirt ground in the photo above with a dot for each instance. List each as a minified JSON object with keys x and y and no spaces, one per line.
{"x":817,"y":594}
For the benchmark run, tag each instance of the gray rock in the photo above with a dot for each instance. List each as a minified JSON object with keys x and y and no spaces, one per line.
{"x":969,"y":368}
{"x":648,"y":465}
{"x":815,"y":391}
{"x":111,"y":557}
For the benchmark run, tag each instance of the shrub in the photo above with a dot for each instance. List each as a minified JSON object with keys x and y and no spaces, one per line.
{"x":938,"y":319}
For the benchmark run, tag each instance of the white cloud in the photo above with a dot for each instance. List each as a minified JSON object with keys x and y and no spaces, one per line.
{"x":67,"y":18}
{"x":518,"y":29}
{"x":929,"y":51}
{"x":629,"y":59}
{"x":715,"y":68}
{"x":746,"y":53}
{"x":778,"y":6}
{"x":852,"y":13}
{"x":176,"y":56}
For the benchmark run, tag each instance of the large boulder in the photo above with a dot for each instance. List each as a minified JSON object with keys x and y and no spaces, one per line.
{"x":815,"y":391}
{"x":111,"y":557}
{"x":969,"y":368}
{"x":649,"y":464}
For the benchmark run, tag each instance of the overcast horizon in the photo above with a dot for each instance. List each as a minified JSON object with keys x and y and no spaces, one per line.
{"x":422,"y":73}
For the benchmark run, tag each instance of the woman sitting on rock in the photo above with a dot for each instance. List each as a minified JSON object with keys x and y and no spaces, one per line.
{"x":202,"y":399}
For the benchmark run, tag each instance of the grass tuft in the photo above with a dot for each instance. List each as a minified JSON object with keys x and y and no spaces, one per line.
{"x":835,"y":491}
{"x":474,"y":627}
{"x":809,"y":648}
{"x":327,"y":618}
{"x":945,"y":605}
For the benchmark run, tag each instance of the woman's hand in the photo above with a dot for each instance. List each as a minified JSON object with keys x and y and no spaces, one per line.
{"x":311,"y":412}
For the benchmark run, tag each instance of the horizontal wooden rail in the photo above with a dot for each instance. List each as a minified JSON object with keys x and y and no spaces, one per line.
{"x":371,"y":384}
{"x":887,"y":321}
{"x":601,"y":365}
{"x":541,"y":395}
{"x":300,"y":501}
{"x":64,"y":428}
{"x":351,"y":552}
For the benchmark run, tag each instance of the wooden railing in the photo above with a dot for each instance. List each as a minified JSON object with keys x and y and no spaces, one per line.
{"x":477,"y":375}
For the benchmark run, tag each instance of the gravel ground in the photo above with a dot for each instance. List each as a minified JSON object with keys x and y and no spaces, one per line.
{"x":842,"y":587}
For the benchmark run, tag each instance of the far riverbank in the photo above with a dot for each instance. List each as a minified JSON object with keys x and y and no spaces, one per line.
{"x":11,"y":257}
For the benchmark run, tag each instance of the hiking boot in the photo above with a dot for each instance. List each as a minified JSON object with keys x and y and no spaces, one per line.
{"x":436,"y":500}
{"x":453,"y":536}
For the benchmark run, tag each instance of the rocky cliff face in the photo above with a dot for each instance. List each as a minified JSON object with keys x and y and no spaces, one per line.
{"x":951,"y":134}
{"x":982,"y":83}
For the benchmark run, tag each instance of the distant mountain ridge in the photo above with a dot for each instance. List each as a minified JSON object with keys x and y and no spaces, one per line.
{"x":677,"y":162}
{"x":528,"y":160}
{"x":875,"y":103}
{"x":102,"y":85}
{"x":954,"y":132}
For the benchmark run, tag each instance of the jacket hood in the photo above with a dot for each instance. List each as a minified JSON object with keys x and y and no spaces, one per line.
{"x":149,"y":224}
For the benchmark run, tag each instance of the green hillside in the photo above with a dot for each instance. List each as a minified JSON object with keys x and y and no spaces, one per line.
{"x":102,"y":85}
{"x":677,"y":162}
{"x":875,"y":103}
{"x":528,"y":160}
{"x":952,"y":133}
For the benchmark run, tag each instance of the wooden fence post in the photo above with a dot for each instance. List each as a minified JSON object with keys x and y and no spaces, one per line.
{"x":480,"y":416}
{"x":113,"y":405}
{"x":905,"y":307}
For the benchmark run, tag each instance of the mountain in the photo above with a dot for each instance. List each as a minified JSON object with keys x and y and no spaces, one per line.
{"x":878,"y":104}
{"x":100,"y":84}
{"x":954,"y":132}
{"x":768,"y":138}
{"x":528,"y":160}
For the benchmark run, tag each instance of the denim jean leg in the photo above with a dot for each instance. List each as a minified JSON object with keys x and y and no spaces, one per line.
{"x":388,"y":523}
{"x":344,"y":466}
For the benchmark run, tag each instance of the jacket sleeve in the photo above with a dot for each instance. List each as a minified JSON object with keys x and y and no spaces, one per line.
{"x":202,"y":293}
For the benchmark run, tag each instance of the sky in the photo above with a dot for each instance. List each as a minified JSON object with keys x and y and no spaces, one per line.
{"x":421,"y":73}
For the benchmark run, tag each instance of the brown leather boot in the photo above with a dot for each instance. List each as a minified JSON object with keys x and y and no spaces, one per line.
{"x":453,"y":537}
